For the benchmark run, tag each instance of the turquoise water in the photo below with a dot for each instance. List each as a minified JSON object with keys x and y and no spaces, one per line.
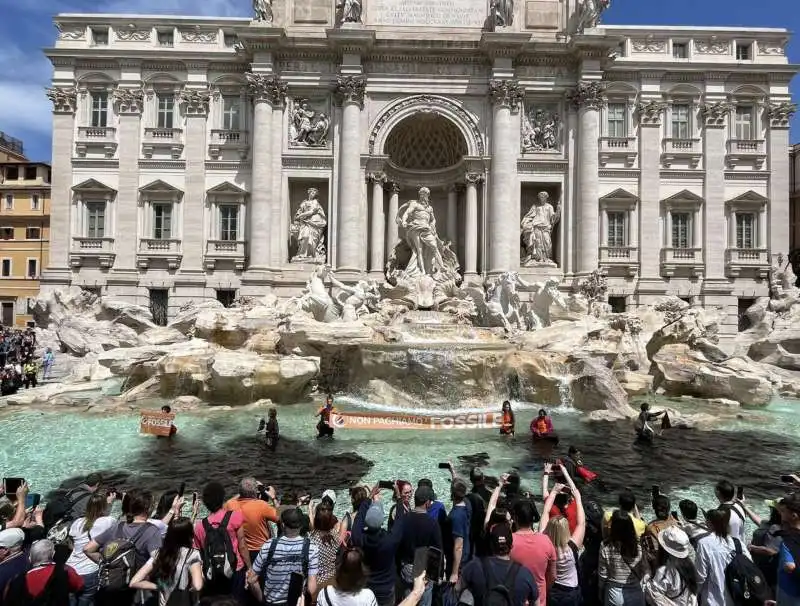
{"x":49,"y":447}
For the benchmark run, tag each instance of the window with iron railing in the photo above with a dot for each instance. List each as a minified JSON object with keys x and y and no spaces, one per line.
{"x":616,"y":229}
{"x":165,"y":116}
{"x":95,"y":220}
{"x":681,"y":127}
{"x":745,"y":231}
{"x":229,"y":223}
{"x":99,"y":110}
{"x":162,"y":221}
{"x":681,"y":230}
{"x":617,"y":120}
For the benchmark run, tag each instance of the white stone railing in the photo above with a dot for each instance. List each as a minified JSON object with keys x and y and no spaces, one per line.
{"x":682,"y":146}
{"x":747,"y":256}
{"x":617,"y":144}
{"x":229,"y":137}
{"x":622,"y":255}
{"x":159,"y":246}
{"x":166,"y":135}
{"x":90,"y":245}
{"x":689,"y":256}
{"x":225,"y":248}
{"x":740,"y":147}
{"x":98,"y":133}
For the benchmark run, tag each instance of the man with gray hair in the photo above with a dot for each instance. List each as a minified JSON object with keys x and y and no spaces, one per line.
{"x":48,"y":572}
{"x":257,"y":513}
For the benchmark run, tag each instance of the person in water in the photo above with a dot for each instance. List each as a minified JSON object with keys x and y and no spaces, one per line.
{"x":542,"y":426}
{"x":172,"y":429}
{"x":272,"y":430}
{"x":643,"y":428}
{"x":325,"y":426}
{"x":508,"y":421}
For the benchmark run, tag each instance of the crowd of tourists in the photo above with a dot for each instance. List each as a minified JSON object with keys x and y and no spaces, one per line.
{"x":397,"y":543}
{"x":19,"y":365}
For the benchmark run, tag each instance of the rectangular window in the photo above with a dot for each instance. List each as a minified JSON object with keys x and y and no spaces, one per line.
{"x":33,"y":233}
{"x":743,"y":51}
{"x":744,"y":122}
{"x":617,"y":120}
{"x":166,"y":110}
{"x":7,"y":233}
{"x":9,"y":201}
{"x":100,"y":36}
{"x":616,"y":230}
{"x":681,"y":230}
{"x":99,"y":110}
{"x":745,"y":230}
{"x":12,"y":173}
{"x":33,"y":268}
{"x":230,"y":113}
{"x":229,"y":223}
{"x":35,"y":202}
{"x":6,"y":268}
{"x":96,"y":220}
{"x":680,"y":50}
{"x":680,"y":122}
{"x":162,"y":221}
{"x":30,"y":173}
{"x":166,"y":38}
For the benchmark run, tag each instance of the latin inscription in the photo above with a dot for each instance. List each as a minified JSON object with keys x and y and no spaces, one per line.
{"x":434,"y":13}
{"x":542,"y":14}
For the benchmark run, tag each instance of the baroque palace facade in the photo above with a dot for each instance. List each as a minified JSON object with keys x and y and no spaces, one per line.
{"x":195,"y":158}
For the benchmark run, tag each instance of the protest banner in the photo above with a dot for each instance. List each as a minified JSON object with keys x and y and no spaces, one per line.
{"x":155,"y":422}
{"x":371,"y":420}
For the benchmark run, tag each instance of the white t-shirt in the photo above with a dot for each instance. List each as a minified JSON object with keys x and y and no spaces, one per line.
{"x":80,"y":538}
{"x":736,"y":527}
{"x":330,"y":596}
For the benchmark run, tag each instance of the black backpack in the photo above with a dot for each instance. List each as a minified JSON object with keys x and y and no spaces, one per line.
{"x":219,"y":559}
{"x":58,"y":518}
{"x":744,"y":581}
{"x":499,"y":594}
{"x":119,"y":560}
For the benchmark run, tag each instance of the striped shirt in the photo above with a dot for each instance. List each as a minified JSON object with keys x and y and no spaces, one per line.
{"x":288,"y":558}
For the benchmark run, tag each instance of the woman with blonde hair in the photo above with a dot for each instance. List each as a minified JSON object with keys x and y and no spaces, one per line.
{"x":565,"y":590}
{"x":94,"y":523}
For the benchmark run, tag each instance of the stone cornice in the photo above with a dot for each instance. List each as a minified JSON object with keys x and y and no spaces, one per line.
{"x":350,"y":89}
{"x":307,"y":163}
{"x":163,"y":164}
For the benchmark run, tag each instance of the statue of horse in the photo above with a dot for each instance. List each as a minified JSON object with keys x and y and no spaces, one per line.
{"x":537,"y":313}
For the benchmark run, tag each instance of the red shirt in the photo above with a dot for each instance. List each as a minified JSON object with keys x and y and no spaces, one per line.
{"x":215,"y":519}
{"x":571,"y":514}
{"x":36,"y":579}
{"x":535,"y":552}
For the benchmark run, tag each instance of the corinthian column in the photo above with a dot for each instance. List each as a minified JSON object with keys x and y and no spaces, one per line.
{"x":504,"y":209}
{"x":267,"y":91}
{"x":350,"y":249}
{"x":471,"y":224}
{"x":779,"y":115}
{"x":589,"y":98}
{"x":64,"y":103}
{"x":393,"y":237}
{"x":378,"y":223}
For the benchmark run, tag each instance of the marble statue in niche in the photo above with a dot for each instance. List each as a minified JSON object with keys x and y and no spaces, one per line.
{"x":537,"y":231}
{"x":263,"y":11}
{"x":541,"y":130}
{"x":349,"y":11}
{"x":502,"y":13}
{"x":308,"y":126}
{"x":308,"y":230}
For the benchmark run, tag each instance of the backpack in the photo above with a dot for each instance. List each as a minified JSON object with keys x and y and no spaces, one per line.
{"x":499,"y":594}
{"x":219,"y":559}
{"x":119,"y":561}
{"x":744,"y":581}
{"x":58,"y":518}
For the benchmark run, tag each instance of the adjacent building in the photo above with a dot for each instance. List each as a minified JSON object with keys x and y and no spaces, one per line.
{"x":11,"y":149}
{"x":24,"y":236}
{"x":183,"y":149}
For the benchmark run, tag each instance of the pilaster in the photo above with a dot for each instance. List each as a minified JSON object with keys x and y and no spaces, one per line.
{"x":64,"y":104}
{"x":129,"y":103}
{"x":392,"y":235}
{"x":378,"y":223}
{"x":588,"y":98}
{"x":503,"y":213}
{"x":195,"y":105}
{"x":778,"y":237}
{"x":473,"y":180}
{"x":650,"y":117}
{"x":715,"y":116}
{"x":351,"y":252}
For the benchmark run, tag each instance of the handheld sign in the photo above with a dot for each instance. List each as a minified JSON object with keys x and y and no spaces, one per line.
{"x":156,"y":423}
{"x":368,"y":420}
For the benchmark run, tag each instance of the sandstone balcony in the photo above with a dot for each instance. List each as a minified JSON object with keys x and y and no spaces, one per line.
{"x":747,"y":261}
{"x":616,"y":149}
{"x":157,"y":249}
{"x":100,"y":250}
{"x":225,"y":251}
{"x":223,"y":140}
{"x":688,"y":151}
{"x":682,"y":261}
{"x":746,"y":151}
{"x":96,"y":139}
{"x":622,"y":259}
{"x":164,"y":140}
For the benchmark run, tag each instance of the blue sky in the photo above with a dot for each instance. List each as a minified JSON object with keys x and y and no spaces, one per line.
{"x":26,"y":27}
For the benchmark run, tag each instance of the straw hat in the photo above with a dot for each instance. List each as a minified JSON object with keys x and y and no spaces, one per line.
{"x":675,"y":542}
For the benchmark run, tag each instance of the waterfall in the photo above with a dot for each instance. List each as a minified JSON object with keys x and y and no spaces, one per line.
{"x":565,"y":393}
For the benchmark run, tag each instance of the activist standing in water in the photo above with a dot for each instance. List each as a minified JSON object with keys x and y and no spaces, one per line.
{"x":508,"y":421}
{"x":643,"y":429}
{"x":272,"y":430}
{"x":542,"y":426}
{"x":172,"y":429}
{"x":325,"y":427}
